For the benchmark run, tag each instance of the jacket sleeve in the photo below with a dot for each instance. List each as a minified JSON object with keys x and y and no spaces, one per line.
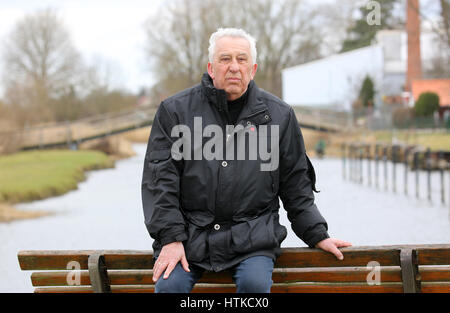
{"x":297,"y":183}
{"x":161,"y":183}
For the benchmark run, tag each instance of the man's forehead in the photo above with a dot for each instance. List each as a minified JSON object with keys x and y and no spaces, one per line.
{"x":237,"y":45}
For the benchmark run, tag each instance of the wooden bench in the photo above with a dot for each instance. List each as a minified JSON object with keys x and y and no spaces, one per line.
{"x":409,"y":269}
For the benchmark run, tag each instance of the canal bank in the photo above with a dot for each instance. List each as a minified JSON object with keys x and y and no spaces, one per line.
{"x":39,"y":174}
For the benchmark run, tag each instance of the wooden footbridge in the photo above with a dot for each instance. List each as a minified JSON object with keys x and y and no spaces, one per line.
{"x":71,"y":134}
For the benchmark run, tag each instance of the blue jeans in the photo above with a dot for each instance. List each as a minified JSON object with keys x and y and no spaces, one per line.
{"x":253,"y":275}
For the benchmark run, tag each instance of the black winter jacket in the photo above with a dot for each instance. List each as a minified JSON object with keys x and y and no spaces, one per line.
{"x":225,"y":210}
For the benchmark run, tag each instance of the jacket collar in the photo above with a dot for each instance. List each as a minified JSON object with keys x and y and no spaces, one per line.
{"x":253,"y":108}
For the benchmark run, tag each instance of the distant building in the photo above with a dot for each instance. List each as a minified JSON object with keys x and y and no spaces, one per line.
{"x":335,"y":81}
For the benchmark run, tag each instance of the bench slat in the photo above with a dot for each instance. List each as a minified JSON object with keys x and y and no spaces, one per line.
{"x":352,"y":257}
{"x":433,"y":256}
{"x":230,"y":288}
{"x":345,"y":274}
{"x":443,"y":287}
{"x":144,"y":277}
{"x":291,"y":257}
{"x":59,"y":260}
{"x":434,"y":273}
{"x":338,"y":288}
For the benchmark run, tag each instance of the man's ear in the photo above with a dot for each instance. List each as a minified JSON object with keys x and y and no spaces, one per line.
{"x":210,"y":71}
{"x":255,"y":67}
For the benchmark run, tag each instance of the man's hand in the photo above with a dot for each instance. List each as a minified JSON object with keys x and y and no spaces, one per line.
{"x":169,"y":257}
{"x":331,"y":245}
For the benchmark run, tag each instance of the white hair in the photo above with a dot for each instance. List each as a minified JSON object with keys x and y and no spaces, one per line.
{"x":231,"y":32}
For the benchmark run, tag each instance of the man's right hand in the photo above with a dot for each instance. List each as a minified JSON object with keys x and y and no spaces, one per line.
{"x":168,"y":258}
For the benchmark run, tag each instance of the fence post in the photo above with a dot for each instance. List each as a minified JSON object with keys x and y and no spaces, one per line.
{"x":416,"y":169}
{"x":441,"y":172}
{"x":369,"y":170}
{"x":405,"y":162}
{"x":385,"y":167}
{"x":361,"y":152}
{"x":343,"y":160}
{"x":376,"y":164}
{"x":352,"y":163}
{"x":428,"y":168}
{"x":394,"y":171}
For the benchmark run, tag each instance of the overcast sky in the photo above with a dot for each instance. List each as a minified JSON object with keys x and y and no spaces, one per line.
{"x":107,"y":30}
{"x":110,"y":31}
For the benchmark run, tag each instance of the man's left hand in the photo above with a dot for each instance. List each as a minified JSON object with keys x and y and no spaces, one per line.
{"x":331,"y":245}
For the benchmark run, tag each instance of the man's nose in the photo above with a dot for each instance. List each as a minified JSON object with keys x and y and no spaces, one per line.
{"x":234,"y":66}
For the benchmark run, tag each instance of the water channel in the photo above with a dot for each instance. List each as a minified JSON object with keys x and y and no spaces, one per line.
{"x":106,"y":213}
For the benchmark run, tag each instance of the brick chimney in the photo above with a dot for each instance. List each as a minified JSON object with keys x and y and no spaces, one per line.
{"x":414,"y":70}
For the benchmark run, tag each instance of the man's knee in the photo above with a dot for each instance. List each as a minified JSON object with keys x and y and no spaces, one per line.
{"x":254,"y":275}
{"x":254,"y":284}
{"x":173,"y":284}
{"x":177,"y":282}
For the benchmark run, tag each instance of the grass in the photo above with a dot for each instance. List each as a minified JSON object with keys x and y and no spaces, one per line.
{"x":33,"y":175}
{"x":437,"y":140}
{"x":433,"y":140}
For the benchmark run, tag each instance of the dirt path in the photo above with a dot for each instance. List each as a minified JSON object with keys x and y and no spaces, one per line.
{"x":9,"y":213}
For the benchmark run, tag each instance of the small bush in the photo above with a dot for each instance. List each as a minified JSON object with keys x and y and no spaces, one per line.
{"x":427,"y":104}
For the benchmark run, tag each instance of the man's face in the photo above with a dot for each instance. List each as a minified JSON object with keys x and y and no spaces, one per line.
{"x":232,"y":68}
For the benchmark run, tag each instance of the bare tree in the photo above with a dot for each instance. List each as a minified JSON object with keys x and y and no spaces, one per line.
{"x":335,"y":20}
{"x":445,"y":20}
{"x":439,"y":65}
{"x":40,"y":62}
{"x":177,"y":38}
{"x":287,"y":35}
{"x":39,"y":49}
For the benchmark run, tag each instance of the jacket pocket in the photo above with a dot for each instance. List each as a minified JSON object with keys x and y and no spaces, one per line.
{"x":196,"y":246}
{"x":255,"y":234}
{"x":154,"y":164}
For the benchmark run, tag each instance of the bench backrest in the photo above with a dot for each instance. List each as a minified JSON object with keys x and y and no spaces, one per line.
{"x":424,"y":268}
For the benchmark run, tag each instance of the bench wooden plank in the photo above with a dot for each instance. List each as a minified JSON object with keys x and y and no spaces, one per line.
{"x":73,"y":289}
{"x":57,"y":278}
{"x":58,"y":260}
{"x":345,"y":274}
{"x":434,"y":273}
{"x":433,"y":256}
{"x":230,"y":288}
{"x":37,"y":260}
{"x":291,"y":257}
{"x":428,"y":287}
{"x":134,"y":277}
{"x":337,"y":288}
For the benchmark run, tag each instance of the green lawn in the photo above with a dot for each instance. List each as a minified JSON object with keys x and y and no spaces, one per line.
{"x":433,"y":140}
{"x":27,"y":176}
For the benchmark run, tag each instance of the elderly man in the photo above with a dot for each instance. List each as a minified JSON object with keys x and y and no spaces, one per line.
{"x":221,"y":213}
